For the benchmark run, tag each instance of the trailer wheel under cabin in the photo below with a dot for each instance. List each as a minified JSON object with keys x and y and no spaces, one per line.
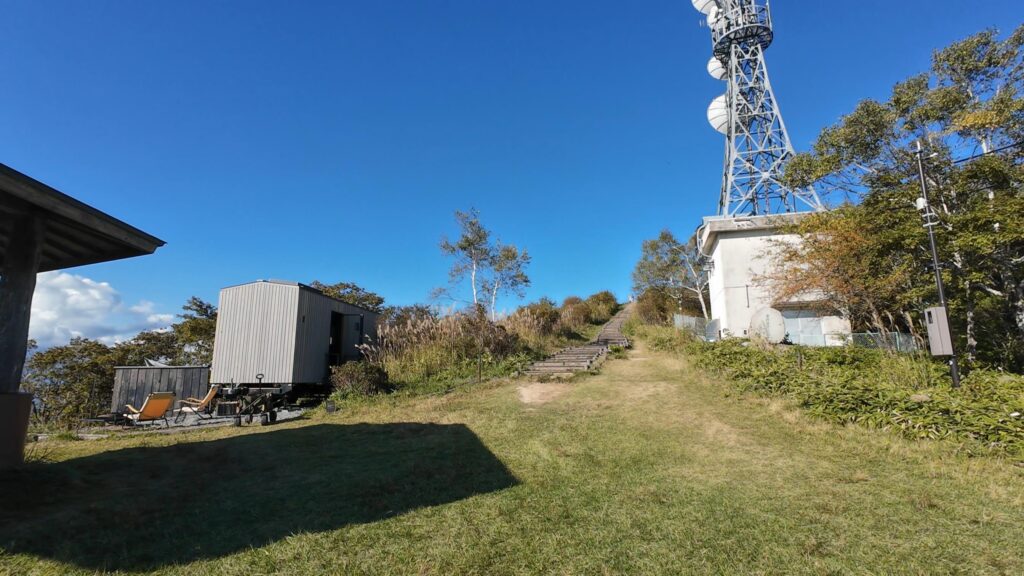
{"x":289,"y":333}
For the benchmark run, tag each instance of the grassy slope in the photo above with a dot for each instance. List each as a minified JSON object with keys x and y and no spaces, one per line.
{"x":646,"y":468}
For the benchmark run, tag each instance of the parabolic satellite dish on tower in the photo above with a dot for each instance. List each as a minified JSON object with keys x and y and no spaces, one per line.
{"x":716,"y":69}
{"x":704,"y":6}
{"x":769,"y":324}
{"x":718,"y":114}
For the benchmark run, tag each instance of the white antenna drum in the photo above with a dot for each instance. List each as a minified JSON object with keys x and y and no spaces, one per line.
{"x":718,"y":114}
{"x":713,"y":17}
{"x":716,"y":69}
{"x":704,"y":6}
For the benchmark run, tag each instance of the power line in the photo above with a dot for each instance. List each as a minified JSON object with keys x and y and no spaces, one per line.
{"x":997,"y":150}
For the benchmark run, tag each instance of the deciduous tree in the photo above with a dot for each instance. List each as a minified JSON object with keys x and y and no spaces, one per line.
{"x":352,"y":293}
{"x":507,"y":274}
{"x":472,"y":251}
{"x":969,"y":103}
{"x":673,"y":268}
{"x":195,"y":332}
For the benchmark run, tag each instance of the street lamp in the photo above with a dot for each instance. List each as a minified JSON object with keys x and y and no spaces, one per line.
{"x":940,"y":336}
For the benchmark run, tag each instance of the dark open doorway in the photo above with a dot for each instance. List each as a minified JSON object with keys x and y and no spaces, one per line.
{"x":335,"y":351}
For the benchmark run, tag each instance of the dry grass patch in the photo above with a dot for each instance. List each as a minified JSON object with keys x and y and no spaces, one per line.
{"x":542,"y":392}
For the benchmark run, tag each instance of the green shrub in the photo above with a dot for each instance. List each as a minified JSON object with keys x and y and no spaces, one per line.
{"x":545,"y":312}
{"x":603,"y":305}
{"x":574,"y":316}
{"x":910,"y":395}
{"x":359,"y":379}
{"x":654,"y":307}
{"x":571,"y":300}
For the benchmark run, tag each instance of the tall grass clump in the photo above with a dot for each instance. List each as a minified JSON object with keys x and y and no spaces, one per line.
{"x":449,"y":347}
{"x":416,"y":345}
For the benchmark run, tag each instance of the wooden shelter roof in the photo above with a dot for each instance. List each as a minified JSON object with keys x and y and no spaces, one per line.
{"x":76,"y":233}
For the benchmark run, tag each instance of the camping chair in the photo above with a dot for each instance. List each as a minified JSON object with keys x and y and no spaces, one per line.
{"x":200,"y":408}
{"x":154,"y":408}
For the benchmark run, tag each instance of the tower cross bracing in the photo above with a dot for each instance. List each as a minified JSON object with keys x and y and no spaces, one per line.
{"x":757,"y":144}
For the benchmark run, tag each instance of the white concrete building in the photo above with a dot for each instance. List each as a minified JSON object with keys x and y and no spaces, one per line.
{"x":739,"y":249}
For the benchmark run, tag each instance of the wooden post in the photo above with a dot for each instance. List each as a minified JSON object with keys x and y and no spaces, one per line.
{"x":17,"y":283}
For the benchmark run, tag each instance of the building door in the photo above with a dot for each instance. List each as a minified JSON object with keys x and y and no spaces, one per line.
{"x":353,"y":337}
{"x":804,"y":327}
{"x":335,"y":351}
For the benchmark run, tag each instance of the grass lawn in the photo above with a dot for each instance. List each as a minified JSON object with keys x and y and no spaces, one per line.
{"x":648,"y":468}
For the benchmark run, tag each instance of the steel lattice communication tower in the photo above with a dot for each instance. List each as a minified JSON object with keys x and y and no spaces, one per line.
{"x":757,"y":145}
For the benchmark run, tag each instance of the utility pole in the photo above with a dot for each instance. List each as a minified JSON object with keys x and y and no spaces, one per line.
{"x":930,"y":220}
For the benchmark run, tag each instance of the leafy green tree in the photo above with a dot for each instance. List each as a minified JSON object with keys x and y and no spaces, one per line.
{"x":472,"y":251}
{"x":654,"y":307}
{"x":405,"y":315}
{"x":674,"y":269}
{"x":161,"y":346}
{"x":353,"y":294}
{"x":969,"y":103}
{"x":507,"y":274}
{"x":491,"y":267}
{"x":73,"y":381}
{"x":195,"y":332}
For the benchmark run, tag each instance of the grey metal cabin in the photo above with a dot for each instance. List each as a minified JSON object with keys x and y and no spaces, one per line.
{"x":288,"y":332}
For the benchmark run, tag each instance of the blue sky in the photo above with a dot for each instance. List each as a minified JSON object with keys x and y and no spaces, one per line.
{"x":333,"y":140}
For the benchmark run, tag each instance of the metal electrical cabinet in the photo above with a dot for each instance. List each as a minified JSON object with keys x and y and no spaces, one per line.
{"x":939,"y":339}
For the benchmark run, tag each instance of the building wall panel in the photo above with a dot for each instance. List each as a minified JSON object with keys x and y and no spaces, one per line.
{"x":256,"y":331}
{"x":312,"y":338}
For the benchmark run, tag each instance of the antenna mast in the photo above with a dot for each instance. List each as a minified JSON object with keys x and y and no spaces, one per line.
{"x":757,"y":145}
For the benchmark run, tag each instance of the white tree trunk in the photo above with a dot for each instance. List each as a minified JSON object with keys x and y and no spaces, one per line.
{"x":472,"y":280}
{"x":494,"y":301}
{"x":700,"y":297}
{"x":972,"y":341}
{"x":1018,"y":307}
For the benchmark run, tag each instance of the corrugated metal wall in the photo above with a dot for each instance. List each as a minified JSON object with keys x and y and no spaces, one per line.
{"x":132,"y":384}
{"x":313,"y":333}
{"x":256,"y":329}
{"x":312,"y":337}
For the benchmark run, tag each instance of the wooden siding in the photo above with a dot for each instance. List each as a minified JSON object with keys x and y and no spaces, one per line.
{"x":132,"y":384}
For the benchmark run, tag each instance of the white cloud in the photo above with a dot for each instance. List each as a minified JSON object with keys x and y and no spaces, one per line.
{"x":67,"y":305}
{"x":146,"y":309}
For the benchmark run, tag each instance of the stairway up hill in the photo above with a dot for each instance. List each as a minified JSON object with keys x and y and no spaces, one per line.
{"x":581,"y":358}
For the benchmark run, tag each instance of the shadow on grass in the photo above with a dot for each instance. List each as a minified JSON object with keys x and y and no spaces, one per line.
{"x":145,"y":508}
